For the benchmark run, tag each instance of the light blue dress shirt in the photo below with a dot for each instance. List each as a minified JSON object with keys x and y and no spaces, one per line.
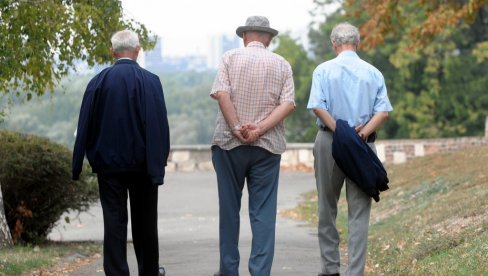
{"x":349,"y":89}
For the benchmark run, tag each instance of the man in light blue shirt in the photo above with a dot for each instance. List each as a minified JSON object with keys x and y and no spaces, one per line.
{"x":353,"y":90}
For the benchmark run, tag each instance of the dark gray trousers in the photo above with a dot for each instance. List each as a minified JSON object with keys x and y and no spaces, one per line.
{"x":260,"y":169}
{"x":329,"y":180}
{"x":114,"y":189}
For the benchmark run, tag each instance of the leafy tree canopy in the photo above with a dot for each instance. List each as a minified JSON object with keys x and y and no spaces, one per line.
{"x":417,"y":22}
{"x":42,"y":40}
{"x":298,"y":123}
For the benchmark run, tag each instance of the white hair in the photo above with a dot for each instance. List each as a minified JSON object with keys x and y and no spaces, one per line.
{"x":124,"y":40}
{"x":345,"y":34}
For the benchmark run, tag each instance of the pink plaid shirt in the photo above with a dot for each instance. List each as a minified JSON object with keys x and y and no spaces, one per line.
{"x":258,"y":81}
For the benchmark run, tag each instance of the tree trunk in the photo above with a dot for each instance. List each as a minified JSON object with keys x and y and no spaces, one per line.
{"x":5,"y":237}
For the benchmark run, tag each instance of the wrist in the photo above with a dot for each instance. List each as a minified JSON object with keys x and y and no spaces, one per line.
{"x":261,"y":129}
{"x":236,"y":127}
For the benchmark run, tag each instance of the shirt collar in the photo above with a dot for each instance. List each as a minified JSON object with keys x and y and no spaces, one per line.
{"x":256,"y":44}
{"x":348,"y":53}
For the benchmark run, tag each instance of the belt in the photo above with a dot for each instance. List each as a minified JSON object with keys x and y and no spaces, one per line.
{"x":371,"y":138}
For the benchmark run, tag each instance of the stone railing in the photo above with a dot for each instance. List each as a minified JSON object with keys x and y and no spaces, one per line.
{"x":299,"y":155}
{"x":198,"y":157}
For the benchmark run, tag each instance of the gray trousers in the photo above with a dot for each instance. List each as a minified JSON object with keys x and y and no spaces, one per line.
{"x":329,"y":180}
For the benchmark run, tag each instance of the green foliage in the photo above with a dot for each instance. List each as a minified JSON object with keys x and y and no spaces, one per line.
{"x":298,"y":124}
{"x":437,"y":90}
{"x":53,"y":115}
{"x":35,"y":260}
{"x":43,"y":40}
{"x":320,"y":44}
{"x":191,"y":111}
{"x":35,"y":177}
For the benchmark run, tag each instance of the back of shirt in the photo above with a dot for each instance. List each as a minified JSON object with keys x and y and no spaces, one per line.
{"x":258,"y":81}
{"x":349,"y":89}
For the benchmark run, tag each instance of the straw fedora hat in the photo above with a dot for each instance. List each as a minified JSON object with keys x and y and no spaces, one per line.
{"x":258,"y":24}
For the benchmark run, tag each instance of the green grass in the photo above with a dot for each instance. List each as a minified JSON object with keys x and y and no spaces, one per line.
{"x":432,"y":221}
{"x":20,"y":260}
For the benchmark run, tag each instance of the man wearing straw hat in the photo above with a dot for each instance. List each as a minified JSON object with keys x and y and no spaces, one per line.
{"x":255,"y":92}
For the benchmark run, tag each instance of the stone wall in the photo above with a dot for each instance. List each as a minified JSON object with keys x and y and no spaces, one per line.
{"x":299,"y":155}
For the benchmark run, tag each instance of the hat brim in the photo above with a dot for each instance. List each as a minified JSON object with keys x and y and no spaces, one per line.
{"x":240,"y":30}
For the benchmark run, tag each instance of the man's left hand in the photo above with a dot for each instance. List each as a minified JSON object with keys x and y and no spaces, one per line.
{"x":248,"y":133}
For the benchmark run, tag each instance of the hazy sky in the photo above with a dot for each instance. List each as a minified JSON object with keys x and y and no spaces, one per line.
{"x":185,"y":25}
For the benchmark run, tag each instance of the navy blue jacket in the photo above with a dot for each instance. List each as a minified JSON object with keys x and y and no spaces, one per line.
{"x":123,"y":124}
{"x":358,"y":161}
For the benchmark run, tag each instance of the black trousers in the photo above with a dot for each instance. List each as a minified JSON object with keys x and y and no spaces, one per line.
{"x":114,"y":189}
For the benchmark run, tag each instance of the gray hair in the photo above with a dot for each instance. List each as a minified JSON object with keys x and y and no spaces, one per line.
{"x":345,"y":34}
{"x":124,"y":40}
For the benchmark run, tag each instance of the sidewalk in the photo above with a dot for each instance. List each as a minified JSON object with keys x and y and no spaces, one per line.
{"x":188,"y":228}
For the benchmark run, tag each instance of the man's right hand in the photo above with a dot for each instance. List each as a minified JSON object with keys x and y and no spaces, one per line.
{"x":248,"y":133}
{"x":238,"y":133}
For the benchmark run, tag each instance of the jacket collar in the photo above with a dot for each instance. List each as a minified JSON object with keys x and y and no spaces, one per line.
{"x":125,"y":61}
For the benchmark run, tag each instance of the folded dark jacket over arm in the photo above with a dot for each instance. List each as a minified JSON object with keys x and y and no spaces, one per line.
{"x":358,"y":161}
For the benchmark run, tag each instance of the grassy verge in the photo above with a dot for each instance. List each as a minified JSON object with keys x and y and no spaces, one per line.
{"x":432,"y":221}
{"x":54,"y":256}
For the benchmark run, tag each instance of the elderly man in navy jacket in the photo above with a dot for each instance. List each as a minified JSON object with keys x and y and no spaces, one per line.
{"x":123,"y":130}
{"x":345,"y":89}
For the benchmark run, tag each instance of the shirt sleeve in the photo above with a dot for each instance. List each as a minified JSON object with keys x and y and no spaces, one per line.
{"x":157,"y":131}
{"x":318,"y":94}
{"x":84,"y":120}
{"x":382,"y":102}
{"x":222,"y":80}
{"x":288,"y":91}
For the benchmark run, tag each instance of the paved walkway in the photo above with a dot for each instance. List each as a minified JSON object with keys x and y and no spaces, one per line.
{"x":188,"y":228}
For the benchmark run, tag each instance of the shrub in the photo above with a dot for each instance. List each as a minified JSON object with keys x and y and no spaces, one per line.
{"x":35,"y":177}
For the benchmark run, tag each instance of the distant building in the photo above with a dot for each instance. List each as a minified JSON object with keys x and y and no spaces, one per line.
{"x":184,"y":63}
{"x":219,"y":45}
{"x":154,"y":59}
{"x":157,"y":61}
{"x":141,"y":58}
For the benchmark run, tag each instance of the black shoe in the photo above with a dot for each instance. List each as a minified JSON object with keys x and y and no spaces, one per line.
{"x":162,"y":272}
{"x":333,"y":274}
{"x":218,"y":274}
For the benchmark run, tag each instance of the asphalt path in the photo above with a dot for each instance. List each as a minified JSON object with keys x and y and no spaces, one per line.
{"x":188,"y":228}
